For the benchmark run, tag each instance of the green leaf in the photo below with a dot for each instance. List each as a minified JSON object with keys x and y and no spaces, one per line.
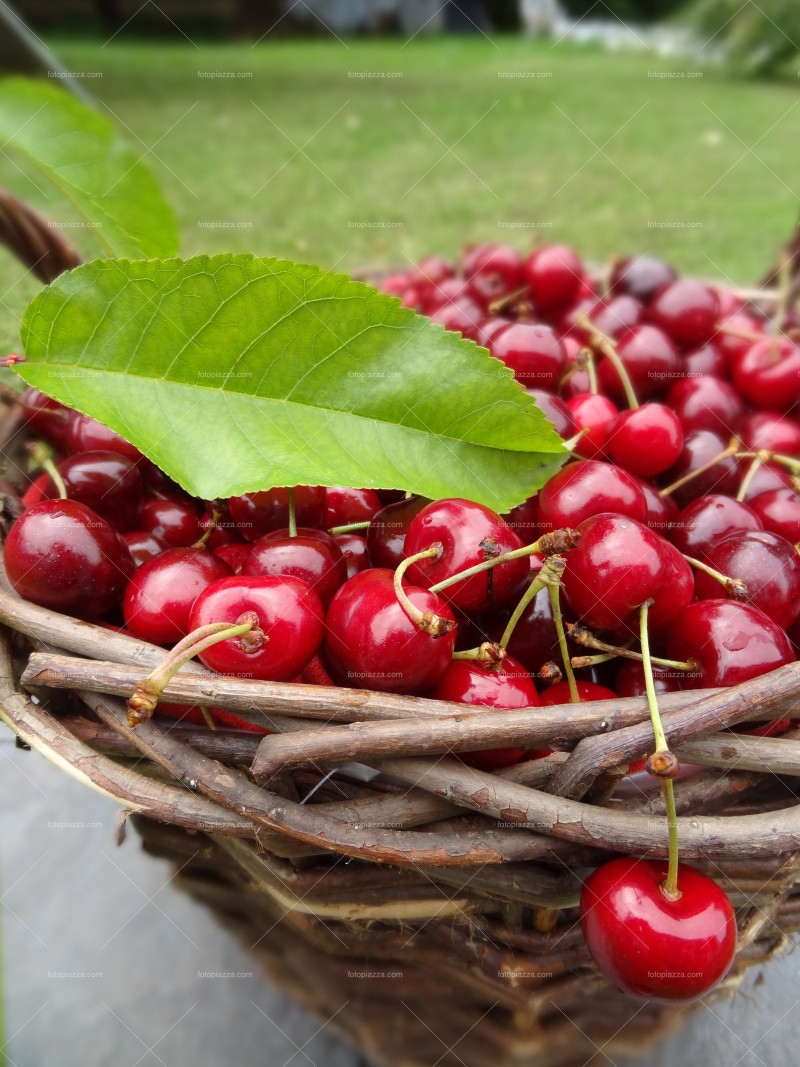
{"x":235,"y":373}
{"x":78,"y":151}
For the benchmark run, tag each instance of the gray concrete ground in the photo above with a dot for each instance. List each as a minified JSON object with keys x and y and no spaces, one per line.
{"x":105,"y":963}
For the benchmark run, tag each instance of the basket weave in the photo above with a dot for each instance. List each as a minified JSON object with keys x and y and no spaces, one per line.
{"x":429,"y":914}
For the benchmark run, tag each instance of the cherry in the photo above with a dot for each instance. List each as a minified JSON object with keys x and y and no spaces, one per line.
{"x":686,"y":310}
{"x":89,"y":435}
{"x":223,"y":531}
{"x":768,"y":565}
{"x":641,"y":276}
{"x":524,"y":519}
{"x":560,"y":694}
{"x":616,"y":566}
{"x":161,"y":592}
{"x":705,"y":521}
{"x":175,"y":522}
{"x":699,"y":448}
{"x":617,"y":315}
{"x":630,"y":680}
{"x":555,"y":411}
{"x":767,"y":375}
{"x":645,"y":441}
{"x":705,"y":359}
{"x":771,"y":431}
{"x":661,"y":510}
{"x":394,"y":284}
{"x":735,"y":334}
{"x":779,"y":511}
{"x":462,"y":315}
{"x":489,"y":328}
{"x":62,"y":555}
{"x":142,"y":546}
{"x":648,"y":945}
{"x":728,"y":641}
{"x":768,"y":476}
{"x":592,"y":413}
{"x":435,"y":295}
{"x":312,"y":556}
{"x":354,"y":551}
{"x":430,"y":269}
{"x":345,"y":506}
{"x":106,"y":482}
{"x":554,"y":274}
{"x":707,"y":403}
{"x":258,"y":513}
{"x":288,"y":618}
{"x":494,"y":271}
{"x":234,"y":553}
{"x":504,"y":685}
{"x":649,"y":357}
{"x":386,"y":533}
{"x":47,"y":416}
{"x":586,"y":488}
{"x":533,"y":352}
{"x":371,"y":643}
{"x":469,"y":534}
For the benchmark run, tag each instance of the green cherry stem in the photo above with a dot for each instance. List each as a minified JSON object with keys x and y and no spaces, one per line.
{"x":734,"y":587}
{"x":489,"y":652}
{"x":292,"y":514}
{"x":670,"y":885}
{"x":552,"y":579}
{"x":581,"y":636}
{"x":352,"y":527}
{"x":147,"y":693}
{"x":217,"y":511}
{"x":533,"y":589}
{"x":547,"y":545}
{"x":428,"y":621}
{"x":43,"y":457}
{"x":605,"y":344}
{"x":749,"y":475}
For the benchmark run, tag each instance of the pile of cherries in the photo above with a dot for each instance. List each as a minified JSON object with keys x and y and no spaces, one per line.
{"x":676,"y":398}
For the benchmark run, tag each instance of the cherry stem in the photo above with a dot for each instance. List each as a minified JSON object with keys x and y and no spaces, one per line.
{"x":765,"y":456}
{"x":489,"y":652}
{"x":547,"y":545}
{"x":751,"y":471}
{"x":147,"y":693}
{"x":504,"y":301}
{"x":428,"y":621}
{"x":592,"y":661}
{"x":352,"y":527}
{"x":731,"y":450}
{"x":43,"y":457}
{"x":292,"y":515}
{"x":533,"y":589}
{"x":734,"y":587}
{"x":207,"y":716}
{"x":572,"y":443}
{"x":670,"y":886}
{"x":553,"y":588}
{"x":586,"y":357}
{"x":217,"y":511}
{"x":605,"y":344}
{"x":581,"y":636}
{"x":746,"y":335}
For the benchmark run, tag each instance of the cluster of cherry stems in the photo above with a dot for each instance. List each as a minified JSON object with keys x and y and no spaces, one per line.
{"x":674,"y":525}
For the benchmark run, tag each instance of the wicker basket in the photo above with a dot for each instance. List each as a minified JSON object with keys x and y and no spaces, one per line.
{"x":427,"y":908}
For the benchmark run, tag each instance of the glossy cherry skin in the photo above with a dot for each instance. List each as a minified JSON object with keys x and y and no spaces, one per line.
{"x":506,"y":685}
{"x":494,"y":271}
{"x":728,"y":641}
{"x":142,"y":546}
{"x":586,"y":488}
{"x":705,"y":359}
{"x":661,"y":510}
{"x":106,"y":482}
{"x":686,"y":310}
{"x":469,"y":534}
{"x":707,"y":403}
{"x":554,"y":274}
{"x":769,"y":566}
{"x":386,"y":533}
{"x":779,"y":511}
{"x":616,"y":566}
{"x":462,"y":315}
{"x":533,"y":352}
{"x":290,"y":617}
{"x":524,"y":519}
{"x":705,"y":521}
{"x":651,"y":360}
{"x":641,"y":276}
{"x":234,"y":553}
{"x":312,"y":556}
{"x":560,"y":694}
{"x":645,"y":441}
{"x":89,"y":435}
{"x":47,"y":416}
{"x":767,"y":477}
{"x":160,"y":594}
{"x":354,"y":551}
{"x":346,"y":506}
{"x":699,"y":448}
{"x":174,"y":522}
{"x":767,"y":375}
{"x":555,"y":411}
{"x":592,"y":412}
{"x":64,"y":556}
{"x":616,"y":315}
{"x":731,"y":326}
{"x":629,"y":680}
{"x":772,"y":431}
{"x":652,"y":947}
{"x":370,"y":642}
{"x":258,"y":513}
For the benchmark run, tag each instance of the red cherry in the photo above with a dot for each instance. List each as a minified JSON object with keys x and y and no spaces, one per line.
{"x":767,"y":375}
{"x":431,"y":269}
{"x":462,"y":315}
{"x":524,"y":519}
{"x":258,"y":513}
{"x":469,"y":534}
{"x":645,"y":441}
{"x":494,"y":271}
{"x":371,"y":643}
{"x":705,"y":359}
{"x":699,"y":448}
{"x":641,"y":276}
{"x":47,"y":416}
{"x":175,"y":522}
{"x":142,"y":546}
{"x":312,"y":556}
{"x":767,"y":477}
{"x":556,"y":412}
{"x":533,"y":352}
{"x":106,"y":482}
{"x":346,"y":506}
{"x":617,"y":315}
{"x":771,"y":431}
{"x":560,"y":694}
{"x":649,"y":357}
{"x":64,"y":556}
{"x":234,"y":553}
{"x":354,"y":551}
{"x":649,"y":946}
{"x":88,"y":435}
{"x":586,"y":488}
{"x":386,"y":533}
{"x":661,"y":510}
{"x":729,"y":340}
{"x":707,"y":404}
{"x":554,"y":274}
{"x":686,"y":310}
{"x":779,"y":511}
{"x":592,"y":413}
{"x":161,"y":592}
{"x":290,"y":623}
{"x":629,"y":680}
{"x":705,"y":521}
{"x":505,"y":685}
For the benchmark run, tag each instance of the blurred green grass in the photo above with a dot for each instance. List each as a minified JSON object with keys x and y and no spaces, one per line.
{"x":303,"y":157}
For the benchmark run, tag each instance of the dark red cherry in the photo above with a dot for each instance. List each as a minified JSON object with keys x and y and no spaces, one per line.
{"x":469,"y":534}
{"x":354,"y":550}
{"x":346,"y":506}
{"x":704,"y":522}
{"x":779,"y":511}
{"x":686,"y":310}
{"x":586,"y":488}
{"x":729,"y":642}
{"x":505,"y":685}
{"x":707,"y":403}
{"x":768,"y":476}
{"x":617,"y":565}
{"x":555,"y":411}
{"x":64,"y":556}
{"x":649,"y":357}
{"x":161,"y":592}
{"x":494,"y":272}
{"x":661,"y":510}
{"x":699,"y":448}
{"x":769,"y":566}
{"x":767,"y":375}
{"x":641,"y":276}
{"x":629,"y":680}
{"x":771,"y":431}
{"x":533,"y":352}
{"x":88,"y":435}
{"x":142,"y":546}
{"x":648,"y":945}
{"x":106,"y":482}
{"x":524,"y":519}
{"x":560,"y":694}
{"x":174,"y":522}
{"x":554,"y":274}
{"x":645,"y":441}
{"x":312,"y":556}
{"x":234,"y":553}
{"x":47,"y":416}
{"x":371,"y":643}
{"x":592,"y":413}
{"x":386,"y":533}
{"x":224,"y":530}
{"x":289,"y":625}
{"x":258,"y":513}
